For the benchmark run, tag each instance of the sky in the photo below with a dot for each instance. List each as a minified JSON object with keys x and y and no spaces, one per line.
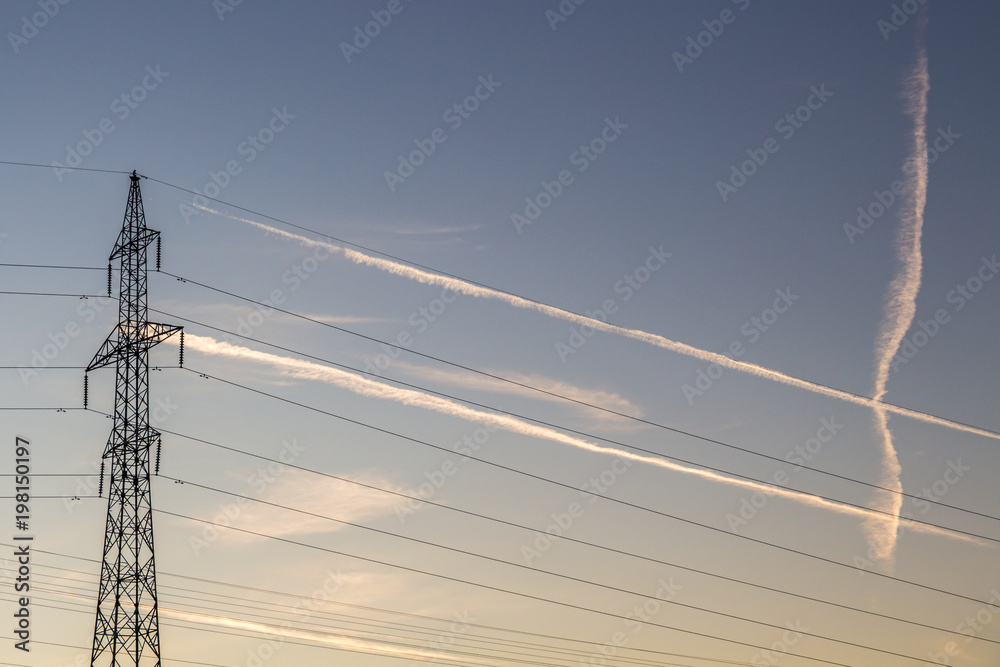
{"x":692,"y":303}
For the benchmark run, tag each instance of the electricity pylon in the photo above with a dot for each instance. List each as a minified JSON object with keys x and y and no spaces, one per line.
{"x":127,"y":630}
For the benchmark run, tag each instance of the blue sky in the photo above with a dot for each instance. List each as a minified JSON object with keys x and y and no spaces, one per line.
{"x":620,"y":132}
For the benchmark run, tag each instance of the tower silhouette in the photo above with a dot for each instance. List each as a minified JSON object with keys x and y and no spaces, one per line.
{"x":126,"y":630}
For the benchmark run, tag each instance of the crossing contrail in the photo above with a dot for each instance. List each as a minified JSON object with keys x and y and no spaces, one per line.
{"x":463,"y":287}
{"x":358,"y":384}
{"x":901,"y":305}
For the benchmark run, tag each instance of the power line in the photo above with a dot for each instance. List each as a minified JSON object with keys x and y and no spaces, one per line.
{"x":279,"y":632}
{"x":332,"y":238}
{"x":50,"y":474}
{"x":362,"y":607}
{"x":531,"y":387}
{"x":49,"y":166}
{"x":383,"y":628}
{"x":49,"y":409}
{"x":530,"y":568}
{"x":34,"y":497}
{"x":51,"y":294}
{"x":596,"y":494}
{"x":562,"y":537}
{"x":499,"y":589}
{"x":407,"y":642}
{"x":582,"y":433}
{"x":489,"y":287}
{"x":592,"y":405}
{"x":84,"y":648}
{"x":79,"y":296}
{"x":42,"y":368}
{"x":53,"y":266}
{"x":381,"y":655}
{"x":282,"y":632}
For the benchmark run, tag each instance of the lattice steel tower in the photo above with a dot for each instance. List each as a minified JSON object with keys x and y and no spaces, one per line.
{"x":126,"y":631}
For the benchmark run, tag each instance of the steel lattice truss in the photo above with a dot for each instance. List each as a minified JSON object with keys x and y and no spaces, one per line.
{"x":126,"y":630}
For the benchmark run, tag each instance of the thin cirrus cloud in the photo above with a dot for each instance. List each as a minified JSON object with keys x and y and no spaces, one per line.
{"x":311,"y":496}
{"x":605,"y":399}
{"x":463,"y":287}
{"x":257,"y":316}
{"x":301,"y":369}
{"x":425,"y":231}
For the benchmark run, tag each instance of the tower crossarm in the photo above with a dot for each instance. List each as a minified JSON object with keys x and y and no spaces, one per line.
{"x":128,"y":243}
{"x":128,"y":338}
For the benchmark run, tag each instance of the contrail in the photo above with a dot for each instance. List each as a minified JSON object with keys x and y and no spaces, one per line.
{"x":358,"y":384}
{"x":462,"y":287}
{"x":283,"y":633}
{"x":329,"y":639}
{"x":901,"y":304}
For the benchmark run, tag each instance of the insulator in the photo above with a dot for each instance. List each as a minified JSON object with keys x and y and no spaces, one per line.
{"x":159,"y":249}
{"x":109,"y":279}
{"x":159,"y":445}
{"x":100,"y":486}
{"x":85,"y":383}
{"x":182,"y":349}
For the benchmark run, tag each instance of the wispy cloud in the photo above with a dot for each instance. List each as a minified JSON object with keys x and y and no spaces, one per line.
{"x":317,"y":495}
{"x":347,"y":319}
{"x":470,"y":289}
{"x":307,"y":370}
{"x":229,"y":312}
{"x":606,"y":399}
{"x":425,"y":231}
